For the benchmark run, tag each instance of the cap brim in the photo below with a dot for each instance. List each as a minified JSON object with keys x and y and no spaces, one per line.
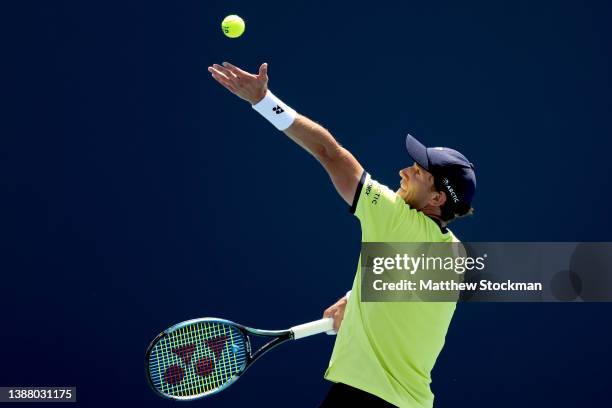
{"x":417,"y":151}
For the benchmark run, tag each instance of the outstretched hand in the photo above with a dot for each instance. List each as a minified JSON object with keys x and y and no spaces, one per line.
{"x":247,"y":86}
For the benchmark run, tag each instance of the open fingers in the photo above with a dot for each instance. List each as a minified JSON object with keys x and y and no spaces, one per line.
{"x":228,"y":74}
{"x":236,"y":71}
{"x":246,"y":86}
{"x":222,"y":79}
{"x":217,"y":72}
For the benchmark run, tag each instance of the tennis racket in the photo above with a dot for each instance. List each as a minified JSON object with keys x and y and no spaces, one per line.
{"x":202,"y":357}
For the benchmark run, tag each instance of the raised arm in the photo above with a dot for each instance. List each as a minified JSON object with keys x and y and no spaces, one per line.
{"x":342,"y":167}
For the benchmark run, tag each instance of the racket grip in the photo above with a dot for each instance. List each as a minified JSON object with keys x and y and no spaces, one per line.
{"x":312,"y":328}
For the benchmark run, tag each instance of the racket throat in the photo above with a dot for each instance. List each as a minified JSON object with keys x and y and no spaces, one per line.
{"x":266,"y":347}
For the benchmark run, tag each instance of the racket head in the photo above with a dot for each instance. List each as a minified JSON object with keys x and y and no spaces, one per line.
{"x":197,"y":358}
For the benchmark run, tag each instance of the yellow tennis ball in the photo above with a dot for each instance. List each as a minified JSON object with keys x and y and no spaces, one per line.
{"x":232,"y":26}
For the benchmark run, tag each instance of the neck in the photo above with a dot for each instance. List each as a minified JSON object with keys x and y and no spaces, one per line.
{"x":435,"y":213}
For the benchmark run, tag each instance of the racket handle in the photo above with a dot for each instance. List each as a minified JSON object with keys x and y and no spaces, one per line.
{"x":312,"y":328}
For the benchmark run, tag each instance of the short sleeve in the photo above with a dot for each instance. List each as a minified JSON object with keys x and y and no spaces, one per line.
{"x":381,"y":211}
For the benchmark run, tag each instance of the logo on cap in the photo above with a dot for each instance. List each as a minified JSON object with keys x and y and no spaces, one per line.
{"x":451,"y":191}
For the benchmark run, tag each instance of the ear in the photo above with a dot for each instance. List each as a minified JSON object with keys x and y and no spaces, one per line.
{"x":438,"y":198}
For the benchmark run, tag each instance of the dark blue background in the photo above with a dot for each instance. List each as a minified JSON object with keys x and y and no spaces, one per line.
{"x":139,"y":193}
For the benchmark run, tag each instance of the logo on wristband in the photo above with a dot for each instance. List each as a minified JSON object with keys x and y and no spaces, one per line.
{"x":278,"y":109}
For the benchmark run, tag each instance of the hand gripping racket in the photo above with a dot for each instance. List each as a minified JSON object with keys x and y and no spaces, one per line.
{"x":201,"y":357}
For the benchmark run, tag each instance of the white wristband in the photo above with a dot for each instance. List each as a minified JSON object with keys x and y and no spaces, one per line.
{"x":273,"y":109}
{"x":348,"y":294}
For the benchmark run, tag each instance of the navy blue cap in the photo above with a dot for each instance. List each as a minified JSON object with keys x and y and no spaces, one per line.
{"x":452,"y":170}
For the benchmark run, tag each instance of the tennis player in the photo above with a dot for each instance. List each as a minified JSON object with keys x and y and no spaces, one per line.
{"x":384,"y":351}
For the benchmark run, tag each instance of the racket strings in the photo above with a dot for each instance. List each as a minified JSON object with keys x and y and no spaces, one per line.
{"x":197,"y":359}
{"x":207,"y":373}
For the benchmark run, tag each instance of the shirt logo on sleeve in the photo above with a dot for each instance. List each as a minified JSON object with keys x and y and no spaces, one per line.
{"x":376,"y":195}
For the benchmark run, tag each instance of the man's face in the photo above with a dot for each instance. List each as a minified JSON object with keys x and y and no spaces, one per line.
{"x":416,"y":186}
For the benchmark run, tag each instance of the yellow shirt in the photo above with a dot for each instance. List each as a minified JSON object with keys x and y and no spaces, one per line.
{"x":388,"y":349}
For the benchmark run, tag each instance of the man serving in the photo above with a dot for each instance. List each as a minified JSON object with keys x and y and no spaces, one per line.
{"x":384,"y":352}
